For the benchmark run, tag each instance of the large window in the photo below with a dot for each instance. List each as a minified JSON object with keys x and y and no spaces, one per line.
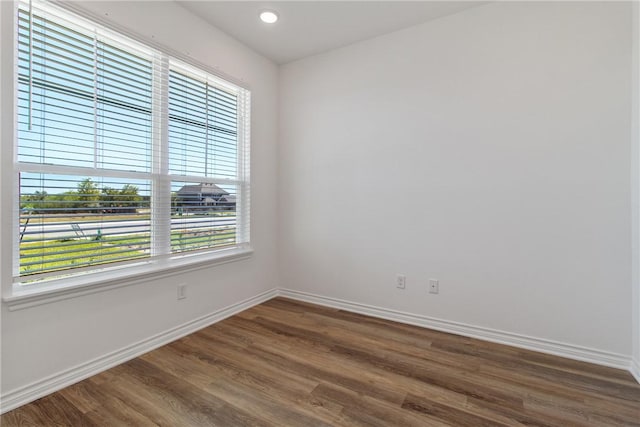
{"x":124,"y":154}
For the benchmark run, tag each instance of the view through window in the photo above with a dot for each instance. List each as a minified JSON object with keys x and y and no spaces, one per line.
{"x":124,"y":153}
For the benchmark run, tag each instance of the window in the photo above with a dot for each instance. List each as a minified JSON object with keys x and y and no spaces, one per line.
{"x":124,"y":154}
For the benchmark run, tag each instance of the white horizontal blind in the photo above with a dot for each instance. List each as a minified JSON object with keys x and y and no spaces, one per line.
{"x":203,"y":160}
{"x":82,"y":94}
{"x":96,"y":182}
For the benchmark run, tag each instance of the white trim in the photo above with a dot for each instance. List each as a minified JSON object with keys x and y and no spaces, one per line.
{"x":635,"y":190}
{"x":569,"y":351}
{"x":8,"y":123}
{"x":635,"y":369}
{"x":38,"y":389}
{"x":91,"y":283}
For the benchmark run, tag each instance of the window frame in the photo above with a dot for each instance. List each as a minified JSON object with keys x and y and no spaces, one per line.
{"x":99,"y":278}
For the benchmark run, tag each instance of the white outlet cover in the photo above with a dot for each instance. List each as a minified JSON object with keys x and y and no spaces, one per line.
{"x":434,"y":286}
{"x":182,"y":291}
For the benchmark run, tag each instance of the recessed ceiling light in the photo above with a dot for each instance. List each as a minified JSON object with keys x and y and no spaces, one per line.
{"x":268,"y":16}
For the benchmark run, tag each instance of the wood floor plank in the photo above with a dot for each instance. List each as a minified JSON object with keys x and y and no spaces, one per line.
{"x":287,"y":363}
{"x":55,"y":410}
{"x":369,"y":411}
{"x":448,"y":414}
{"x":176,"y":392}
{"x":223,"y":367}
{"x":95,"y":404}
{"x":268,"y":407}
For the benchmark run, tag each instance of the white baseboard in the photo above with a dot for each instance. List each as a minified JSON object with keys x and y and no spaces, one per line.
{"x":41,"y":388}
{"x":635,"y":369}
{"x":516,"y":340}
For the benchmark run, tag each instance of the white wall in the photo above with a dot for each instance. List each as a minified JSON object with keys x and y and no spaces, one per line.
{"x":45,"y":340}
{"x":490,"y":150}
{"x":635,"y":185}
{"x":2,"y":112}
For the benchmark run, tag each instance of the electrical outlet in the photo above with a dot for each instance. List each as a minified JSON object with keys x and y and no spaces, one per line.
{"x":401,"y":281}
{"x":182,"y":291}
{"x":434,"y":286}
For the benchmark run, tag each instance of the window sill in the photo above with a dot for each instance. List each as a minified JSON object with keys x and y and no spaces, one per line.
{"x":60,"y":289}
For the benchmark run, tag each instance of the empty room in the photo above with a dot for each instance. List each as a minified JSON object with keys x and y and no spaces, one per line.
{"x":319,"y":213}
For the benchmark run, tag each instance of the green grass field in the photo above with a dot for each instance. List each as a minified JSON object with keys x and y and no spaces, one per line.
{"x":60,"y":255}
{"x":37,"y":257}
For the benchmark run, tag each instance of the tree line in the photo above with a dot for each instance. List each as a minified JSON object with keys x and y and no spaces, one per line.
{"x":87,"y":198}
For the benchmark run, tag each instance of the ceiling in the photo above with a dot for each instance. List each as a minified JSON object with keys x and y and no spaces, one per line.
{"x":309,"y":27}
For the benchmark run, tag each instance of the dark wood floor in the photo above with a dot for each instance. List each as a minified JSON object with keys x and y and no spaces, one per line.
{"x":285,"y":363}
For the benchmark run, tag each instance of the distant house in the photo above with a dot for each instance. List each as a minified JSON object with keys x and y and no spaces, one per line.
{"x":203,"y":197}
